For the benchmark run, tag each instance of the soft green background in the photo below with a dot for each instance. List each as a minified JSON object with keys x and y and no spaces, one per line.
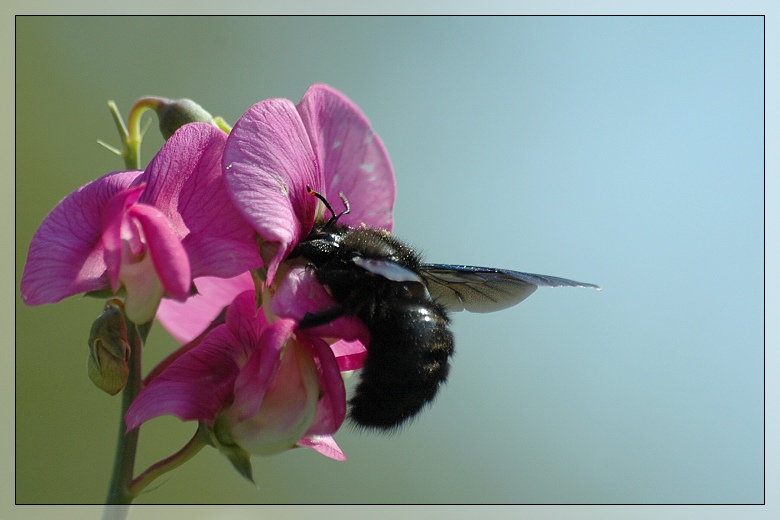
{"x":622,"y":151}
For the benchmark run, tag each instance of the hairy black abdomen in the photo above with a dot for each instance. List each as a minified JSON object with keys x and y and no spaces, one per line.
{"x":407,"y":361}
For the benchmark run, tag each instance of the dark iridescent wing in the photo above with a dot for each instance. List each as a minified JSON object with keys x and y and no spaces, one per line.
{"x":485,"y":289}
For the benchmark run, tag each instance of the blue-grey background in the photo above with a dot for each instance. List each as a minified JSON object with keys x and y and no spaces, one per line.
{"x":626,"y":152}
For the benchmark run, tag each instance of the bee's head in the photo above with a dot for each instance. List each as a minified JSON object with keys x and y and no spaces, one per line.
{"x":324,"y":239}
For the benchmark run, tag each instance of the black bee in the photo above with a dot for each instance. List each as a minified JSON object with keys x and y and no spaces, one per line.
{"x":404,"y":303}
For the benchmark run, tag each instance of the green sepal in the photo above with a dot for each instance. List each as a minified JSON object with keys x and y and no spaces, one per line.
{"x":238,"y":457}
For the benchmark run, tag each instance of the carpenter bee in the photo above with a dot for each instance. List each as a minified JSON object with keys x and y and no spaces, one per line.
{"x":404,"y":304}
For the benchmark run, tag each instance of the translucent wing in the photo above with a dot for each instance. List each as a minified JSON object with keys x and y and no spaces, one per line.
{"x":485,"y":289}
{"x":388,"y":269}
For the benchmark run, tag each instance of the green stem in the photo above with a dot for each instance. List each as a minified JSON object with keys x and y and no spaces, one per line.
{"x":116,"y":512}
{"x":131,"y":151}
{"x":124,"y":460}
{"x":135,"y":135}
{"x":174,"y":461}
{"x":131,"y":135}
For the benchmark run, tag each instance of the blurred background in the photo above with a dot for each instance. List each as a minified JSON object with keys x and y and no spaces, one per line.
{"x":626,"y":152}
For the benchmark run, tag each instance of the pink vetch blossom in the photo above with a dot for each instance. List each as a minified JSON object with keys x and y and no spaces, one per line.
{"x":259,"y":387}
{"x":277,"y":149}
{"x":273,"y":152}
{"x":235,"y":382}
{"x":147,"y":233}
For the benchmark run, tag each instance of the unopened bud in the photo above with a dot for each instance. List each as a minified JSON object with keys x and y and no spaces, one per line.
{"x":109,"y":350}
{"x":175,"y":114}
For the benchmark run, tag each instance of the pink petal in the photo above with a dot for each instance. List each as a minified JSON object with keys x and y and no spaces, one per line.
{"x":349,"y":328}
{"x":186,"y":320}
{"x":289,"y":405}
{"x":246,"y":321}
{"x":66,"y":254}
{"x":185,"y":181}
{"x":194,"y":387}
{"x":332,"y":405}
{"x":350,"y":355}
{"x":170,"y":259}
{"x":190,"y":151}
{"x":114,"y":223}
{"x":351,"y":156}
{"x":268,"y":163}
{"x":323,"y":444}
{"x":262,"y":366}
{"x":299,"y":293}
{"x":143,"y":289}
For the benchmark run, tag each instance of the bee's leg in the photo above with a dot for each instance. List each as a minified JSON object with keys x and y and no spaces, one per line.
{"x":321,"y":318}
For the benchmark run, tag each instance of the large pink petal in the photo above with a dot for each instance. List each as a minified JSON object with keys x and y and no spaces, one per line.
{"x":194,"y":387}
{"x":352,"y":157}
{"x":268,"y":163}
{"x":186,"y":320}
{"x":66,"y":255}
{"x":190,"y":152}
{"x":185,"y":181}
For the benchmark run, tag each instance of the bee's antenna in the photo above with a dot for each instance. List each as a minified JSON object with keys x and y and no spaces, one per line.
{"x":333,"y":217}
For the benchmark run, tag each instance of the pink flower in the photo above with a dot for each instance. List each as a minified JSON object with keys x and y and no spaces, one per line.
{"x":263,"y":387}
{"x":259,"y":382}
{"x":277,"y":149}
{"x":273,"y":152}
{"x":148,"y":233}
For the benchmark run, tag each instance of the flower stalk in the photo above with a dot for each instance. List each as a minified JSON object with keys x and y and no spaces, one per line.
{"x":127,"y":442}
{"x":167,"y":464}
{"x":131,"y":142}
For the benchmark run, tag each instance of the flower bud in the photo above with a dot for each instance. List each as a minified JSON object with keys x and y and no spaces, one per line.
{"x":175,"y":114}
{"x":109,"y":350}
